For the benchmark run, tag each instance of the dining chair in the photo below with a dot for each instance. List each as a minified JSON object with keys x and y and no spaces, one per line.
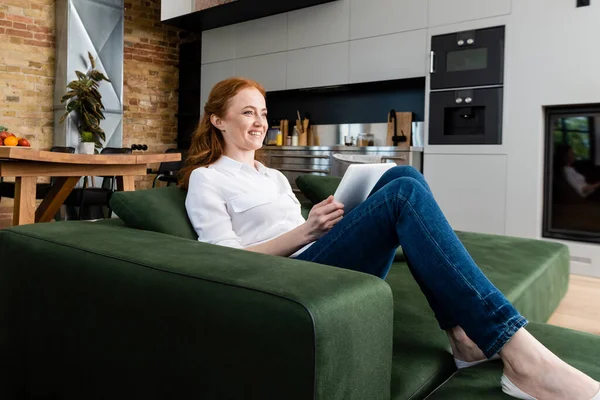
{"x":87,"y":202}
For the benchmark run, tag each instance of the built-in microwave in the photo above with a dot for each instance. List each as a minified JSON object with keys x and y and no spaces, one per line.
{"x":467,"y":59}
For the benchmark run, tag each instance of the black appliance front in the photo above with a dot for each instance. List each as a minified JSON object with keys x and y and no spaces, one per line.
{"x":466,"y":116}
{"x":468,"y":58}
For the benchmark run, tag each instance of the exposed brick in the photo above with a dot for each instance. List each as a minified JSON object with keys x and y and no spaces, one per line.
{"x":36,"y":28}
{"x":39,"y":43}
{"x":23,"y":34}
{"x":19,"y":25}
{"x":13,"y":99}
{"x":19,"y":18}
{"x":6,"y":23}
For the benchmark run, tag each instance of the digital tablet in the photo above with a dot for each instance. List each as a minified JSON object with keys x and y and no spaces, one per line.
{"x":357,"y":183}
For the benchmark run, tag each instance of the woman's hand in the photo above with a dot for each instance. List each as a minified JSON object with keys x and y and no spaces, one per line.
{"x":323,"y":217}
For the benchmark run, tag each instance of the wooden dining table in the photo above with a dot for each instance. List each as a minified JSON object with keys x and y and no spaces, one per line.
{"x":27,"y":164}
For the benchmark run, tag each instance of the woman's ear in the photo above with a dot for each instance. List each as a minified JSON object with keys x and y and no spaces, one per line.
{"x":216,"y":121}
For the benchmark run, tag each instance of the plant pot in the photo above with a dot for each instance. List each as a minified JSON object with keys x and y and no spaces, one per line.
{"x":87,"y":147}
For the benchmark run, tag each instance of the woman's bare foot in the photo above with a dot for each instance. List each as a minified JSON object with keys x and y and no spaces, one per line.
{"x":540,"y":373}
{"x":463,"y":348}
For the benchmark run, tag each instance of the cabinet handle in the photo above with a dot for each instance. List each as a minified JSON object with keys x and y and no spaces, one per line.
{"x":432,"y":62}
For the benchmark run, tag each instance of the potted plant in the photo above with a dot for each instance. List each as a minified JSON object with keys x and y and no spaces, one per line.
{"x":87,"y":144}
{"x":84,"y":98}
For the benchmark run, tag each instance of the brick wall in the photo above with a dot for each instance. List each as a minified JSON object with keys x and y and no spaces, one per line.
{"x":27,"y":54}
{"x":150,"y":79}
{"x":27,"y":69}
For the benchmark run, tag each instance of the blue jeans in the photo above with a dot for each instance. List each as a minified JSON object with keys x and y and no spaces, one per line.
{"x":401,"y":210}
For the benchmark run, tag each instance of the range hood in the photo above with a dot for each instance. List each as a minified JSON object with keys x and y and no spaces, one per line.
{"x":237,"y":11}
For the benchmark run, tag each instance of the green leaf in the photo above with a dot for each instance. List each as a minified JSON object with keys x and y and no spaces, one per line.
{"x":92,"y":61}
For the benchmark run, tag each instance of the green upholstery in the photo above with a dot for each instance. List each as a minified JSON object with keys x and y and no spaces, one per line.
{"x":482,"y":382}
{"x":317,"y":188}
{"x":98,"y":309}
{"x":532,"y":274}
{"x":158,"y":210}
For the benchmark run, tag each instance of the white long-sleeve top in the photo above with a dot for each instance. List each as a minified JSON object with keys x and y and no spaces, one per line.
{"x":232,"y":204}
{"x":576,"y":180}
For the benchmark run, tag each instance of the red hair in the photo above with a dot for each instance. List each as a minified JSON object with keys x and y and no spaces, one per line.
{"x":207,"y":142}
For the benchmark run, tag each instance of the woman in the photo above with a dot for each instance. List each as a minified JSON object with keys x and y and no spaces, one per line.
{"x":564,"y":159}
{"x":235,"y":201}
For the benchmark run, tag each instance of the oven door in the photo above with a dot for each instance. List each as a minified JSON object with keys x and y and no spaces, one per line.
{"x":466,"y":116}
{"x":467,"y":59}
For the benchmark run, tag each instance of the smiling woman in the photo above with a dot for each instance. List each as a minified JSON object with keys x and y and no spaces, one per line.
{"x":237,"y":106}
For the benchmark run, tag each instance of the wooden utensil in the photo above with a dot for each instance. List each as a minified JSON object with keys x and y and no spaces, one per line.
{"x":400,"y":128}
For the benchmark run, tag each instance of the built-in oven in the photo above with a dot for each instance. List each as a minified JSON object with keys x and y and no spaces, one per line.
{"x":467,"y":58}
{"x":466,"y":87}
{"x":466,"y":116}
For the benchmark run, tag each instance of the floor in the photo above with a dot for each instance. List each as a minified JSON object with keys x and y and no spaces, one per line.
{"x":580,"y":309}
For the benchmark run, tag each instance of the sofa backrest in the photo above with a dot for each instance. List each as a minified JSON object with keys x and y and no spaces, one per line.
{"x":159,"y":210}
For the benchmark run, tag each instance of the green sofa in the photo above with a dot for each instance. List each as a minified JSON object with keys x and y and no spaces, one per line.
{"x":142,"y":310}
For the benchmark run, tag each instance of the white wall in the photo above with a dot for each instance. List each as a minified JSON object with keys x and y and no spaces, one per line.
{"x":553,"y":58}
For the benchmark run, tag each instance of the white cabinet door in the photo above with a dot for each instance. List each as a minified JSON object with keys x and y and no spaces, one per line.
{"x":268,"y":70}
{"x":261,"y":36}
{"x":397,"y":56}
{"x":381,"y":17}
{"x":442,"y":12}
{"x":218,"y":44}
{"x":211,"y":74}
{"x":318,"y":66}
{"x":324,"y":24}
{"x":174,"y":8}
{"x":470,"y":189}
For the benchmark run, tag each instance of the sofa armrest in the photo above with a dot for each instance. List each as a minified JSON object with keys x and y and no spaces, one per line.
{"x":101,"y":309}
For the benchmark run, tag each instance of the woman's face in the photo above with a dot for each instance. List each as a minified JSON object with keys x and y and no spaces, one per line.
{"x":244,"y":125}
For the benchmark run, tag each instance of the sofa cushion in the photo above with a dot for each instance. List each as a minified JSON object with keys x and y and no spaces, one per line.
{"x":579,"y":349}
{"x":317,"y":188}
{"x":159,"y":210}
{"x":532,"y":274}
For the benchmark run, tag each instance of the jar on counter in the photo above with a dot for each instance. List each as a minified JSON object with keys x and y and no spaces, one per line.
{"x":366,"y":139}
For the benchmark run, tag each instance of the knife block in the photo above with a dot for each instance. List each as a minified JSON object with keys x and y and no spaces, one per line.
{"x":403,"y":124}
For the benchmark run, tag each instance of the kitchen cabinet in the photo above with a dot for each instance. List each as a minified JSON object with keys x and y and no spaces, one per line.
{"x":231,"y":12}
{"x":318,"y":66}
{"x":370,"y":18}
{"x":213,"y":73}
{"x":261,"y":36}
{"x":397,"y":56}
{"x":269,"y":70}
{"x":442,"y":12}
{"x":470,"y":189}
{"x":314,"y":26}
{"x":218,"y":44}
{"x":174,"y":8}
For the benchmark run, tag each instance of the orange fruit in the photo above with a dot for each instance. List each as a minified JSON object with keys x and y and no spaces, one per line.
{"x":11,"y":141}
